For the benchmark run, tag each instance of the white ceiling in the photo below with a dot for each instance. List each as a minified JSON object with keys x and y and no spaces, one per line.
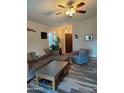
{"x":44,"y":12}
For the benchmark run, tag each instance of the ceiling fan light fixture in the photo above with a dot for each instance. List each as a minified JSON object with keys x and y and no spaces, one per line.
{"x":70,"y":11}
{"x":67,"y":11}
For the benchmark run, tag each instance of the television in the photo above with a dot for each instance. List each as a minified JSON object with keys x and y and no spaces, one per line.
{"x":43,"y":35}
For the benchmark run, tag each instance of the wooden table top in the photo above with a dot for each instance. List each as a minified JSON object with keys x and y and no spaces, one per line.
{"x":53,"y":68}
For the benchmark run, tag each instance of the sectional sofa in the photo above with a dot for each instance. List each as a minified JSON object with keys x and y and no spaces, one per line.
{"x":34,"y":63}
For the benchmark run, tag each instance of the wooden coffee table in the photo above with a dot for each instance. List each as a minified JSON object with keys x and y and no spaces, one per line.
{"x":54,"y":72}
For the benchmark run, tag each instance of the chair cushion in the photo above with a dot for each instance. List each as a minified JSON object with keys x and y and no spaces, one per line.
{"x":75,"y":53}
{"x":83,"y":51}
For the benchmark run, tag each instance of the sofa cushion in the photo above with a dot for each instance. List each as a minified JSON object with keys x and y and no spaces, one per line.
{"x":46,"y":50}
{"x":34,"y":57}
{"x":40,"y":63}
{"x":29,"y":57}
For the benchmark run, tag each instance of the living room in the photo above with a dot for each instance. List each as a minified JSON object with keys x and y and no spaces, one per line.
{"x":77,"y":71}
{"x":72,"y":35}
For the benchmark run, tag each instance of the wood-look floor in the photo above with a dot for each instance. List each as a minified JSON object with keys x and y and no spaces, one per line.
{"x":80,"y":79}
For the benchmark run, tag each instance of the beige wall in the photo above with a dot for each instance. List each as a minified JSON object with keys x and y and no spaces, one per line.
{"x":34,"y":41}
{"x":88,"y":26}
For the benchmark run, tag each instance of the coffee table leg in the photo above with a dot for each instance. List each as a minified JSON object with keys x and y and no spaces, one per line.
{"x":37,"y":80}
{"x":53,"y":83}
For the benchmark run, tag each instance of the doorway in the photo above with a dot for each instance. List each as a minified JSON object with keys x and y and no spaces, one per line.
{"x":68,"y":42}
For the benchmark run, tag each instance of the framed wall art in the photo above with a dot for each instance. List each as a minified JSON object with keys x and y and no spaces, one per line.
{"x":43,"y":35}
{"x":76,"y":36}
{"x":88,"y":37}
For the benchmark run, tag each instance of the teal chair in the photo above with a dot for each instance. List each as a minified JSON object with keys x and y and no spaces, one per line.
{"x":82,"y":57}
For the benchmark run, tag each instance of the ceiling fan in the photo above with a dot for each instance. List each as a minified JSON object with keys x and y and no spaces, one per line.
{"x":70,"y":9}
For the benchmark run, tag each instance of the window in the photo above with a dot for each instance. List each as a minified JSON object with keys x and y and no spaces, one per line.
{"x":52,"y":36}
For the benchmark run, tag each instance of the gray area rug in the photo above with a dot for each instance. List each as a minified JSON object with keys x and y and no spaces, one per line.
{"x":80,"y":79}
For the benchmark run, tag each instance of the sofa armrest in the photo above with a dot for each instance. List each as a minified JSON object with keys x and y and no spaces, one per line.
{"x":31,"y":64}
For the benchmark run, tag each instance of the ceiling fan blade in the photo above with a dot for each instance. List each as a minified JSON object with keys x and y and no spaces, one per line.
{"x":80,"y":4}
{"x":59,"y":13}
{"x":80,"y":11}
{"x":61,"y":6}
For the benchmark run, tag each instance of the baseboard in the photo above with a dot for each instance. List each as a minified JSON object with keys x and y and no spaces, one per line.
{"x":93,"y":58}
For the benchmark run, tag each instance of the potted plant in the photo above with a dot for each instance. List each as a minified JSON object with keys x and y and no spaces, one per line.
{"x":55,"y":45}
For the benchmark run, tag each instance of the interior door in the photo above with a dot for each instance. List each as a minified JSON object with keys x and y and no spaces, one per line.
{"x":68,"y":42}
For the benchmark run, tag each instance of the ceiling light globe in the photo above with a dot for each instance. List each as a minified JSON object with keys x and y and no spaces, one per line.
{"x":70,"y":14}
{"x":72,"y":10}
{"x":67,"y":12}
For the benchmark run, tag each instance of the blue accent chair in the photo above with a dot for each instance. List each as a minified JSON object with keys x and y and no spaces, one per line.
{"x":81,"y":57}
